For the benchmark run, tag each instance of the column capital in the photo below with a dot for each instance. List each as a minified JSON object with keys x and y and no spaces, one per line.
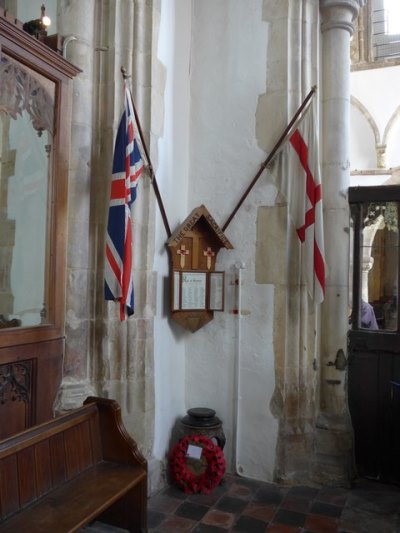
{"x":340,"y":14}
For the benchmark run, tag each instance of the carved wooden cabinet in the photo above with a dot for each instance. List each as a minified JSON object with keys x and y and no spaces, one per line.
{"x":35,"y":109}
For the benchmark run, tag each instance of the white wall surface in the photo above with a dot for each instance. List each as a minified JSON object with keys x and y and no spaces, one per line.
{"x":228,"y":74}
{"x":378,"y":91}
{"x":171,"y":79}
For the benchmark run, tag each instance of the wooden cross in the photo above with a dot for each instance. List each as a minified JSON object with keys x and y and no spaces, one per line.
{"x":182,"y":252}
{"x":209,"y":254}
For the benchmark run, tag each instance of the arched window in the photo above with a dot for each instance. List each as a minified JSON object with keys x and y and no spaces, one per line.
{"x":376,"y":40}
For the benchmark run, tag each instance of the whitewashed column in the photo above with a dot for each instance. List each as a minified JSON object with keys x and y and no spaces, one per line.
{"x":337,"y":28}
{"x":337,"y":18}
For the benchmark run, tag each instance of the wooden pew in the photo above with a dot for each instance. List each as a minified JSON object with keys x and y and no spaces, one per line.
{"x":61,"y":475}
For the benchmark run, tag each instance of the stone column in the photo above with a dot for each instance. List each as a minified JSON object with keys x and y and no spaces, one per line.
{"x":333,"y":433}
{"x":76,"y":24}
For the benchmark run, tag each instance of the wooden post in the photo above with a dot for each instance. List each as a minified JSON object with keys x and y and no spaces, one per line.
{"x":271,"y":155}
{"x":149,"y":164}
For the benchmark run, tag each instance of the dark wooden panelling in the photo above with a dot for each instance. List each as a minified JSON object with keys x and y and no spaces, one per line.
{"x":374,"y":403}
{"x":26,"y":476}
{"x":95,"y":438}
{"x":78,"y":448}
{"x":58,"y":466}
{"x":43,"y":363}
{"x":9,"y":492}
{"x":363,"y":404}
{"x":62,"y":449}
{"x":43,"y":467}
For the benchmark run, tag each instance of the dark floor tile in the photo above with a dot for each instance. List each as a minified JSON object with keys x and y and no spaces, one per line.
{"x":248,"y":506}
{"x":304,"y":492}
{"x":164,"y":503}
{"x":231,"y":505}
{"x":356,"y":520}
{"x":247,"y":524}
{"x":174,"y":492}
{"x":204,"y":528}
{"x":237,"y":490}
{"x":154,"y":518}
{"x":282,"y":528}
{"x":205,"y":499}
{"x":175,"y":524}
{"x":262,"y":511}
{"x":326,"y":509}
{"x":296,"y":503}
{"x":290,"y":518}
{"x":219,"y":519}
{"x":192,"y":511}
{"x":336,"y":496}
{"x":270,"y":494}
{"x":319,"y":523}
{"x":375,"y":501}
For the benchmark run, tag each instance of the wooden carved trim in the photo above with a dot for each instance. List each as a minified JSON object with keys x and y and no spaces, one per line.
{"x":15,"y":382}
{"x":22,"y":91}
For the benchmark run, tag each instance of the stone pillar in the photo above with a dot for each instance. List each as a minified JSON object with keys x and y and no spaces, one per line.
{"x":103,"y":355}
{"x":333,"y":433}
{"x":76,"y":24}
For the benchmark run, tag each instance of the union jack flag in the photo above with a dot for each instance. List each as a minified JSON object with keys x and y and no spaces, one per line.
{"x":127,"y":167}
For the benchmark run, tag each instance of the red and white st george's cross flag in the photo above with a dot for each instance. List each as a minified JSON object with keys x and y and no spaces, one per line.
{"x":301,"y":185}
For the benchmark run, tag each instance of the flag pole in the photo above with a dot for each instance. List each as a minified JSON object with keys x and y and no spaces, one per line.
{"x":271,"y":155}
{"x":149,"y":163}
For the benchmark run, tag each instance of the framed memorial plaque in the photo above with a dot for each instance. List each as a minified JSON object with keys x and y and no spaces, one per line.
{"x":194,"y":290}
{"x":197,"y":290}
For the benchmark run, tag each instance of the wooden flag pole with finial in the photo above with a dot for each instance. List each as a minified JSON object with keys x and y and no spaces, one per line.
{"x":271,"y":155}
{"x":149,"y":164}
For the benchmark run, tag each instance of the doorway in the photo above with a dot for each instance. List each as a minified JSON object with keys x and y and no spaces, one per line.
{"x":374,"y":335}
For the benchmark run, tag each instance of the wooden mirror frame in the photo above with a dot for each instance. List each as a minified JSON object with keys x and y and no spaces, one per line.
{"x":31,"y":358}
{"x":28,"y":51}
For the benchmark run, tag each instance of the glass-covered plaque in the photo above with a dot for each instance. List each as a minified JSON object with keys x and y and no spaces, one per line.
{"x":194,"y":285}
{"x":26,"y":143}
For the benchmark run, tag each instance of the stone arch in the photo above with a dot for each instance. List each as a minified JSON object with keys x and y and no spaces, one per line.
{"x":393,"y":119}
{"x":380,"y":145}
{"x":364,"y":111}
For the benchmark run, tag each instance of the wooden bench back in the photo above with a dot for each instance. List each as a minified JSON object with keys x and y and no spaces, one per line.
{"x":40,"y":458}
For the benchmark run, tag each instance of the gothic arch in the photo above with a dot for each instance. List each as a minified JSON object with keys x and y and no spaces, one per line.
{"x":364,"y":111}
{"x":393,"y":119}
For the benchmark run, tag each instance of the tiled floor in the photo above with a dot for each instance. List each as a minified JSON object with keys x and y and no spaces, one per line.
{"x":244,"y":505}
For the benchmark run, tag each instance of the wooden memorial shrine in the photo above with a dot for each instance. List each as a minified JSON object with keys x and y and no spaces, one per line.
{"x":197,"y":289}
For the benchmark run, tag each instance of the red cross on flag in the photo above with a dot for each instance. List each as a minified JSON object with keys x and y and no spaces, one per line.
{"x":301,"y":184}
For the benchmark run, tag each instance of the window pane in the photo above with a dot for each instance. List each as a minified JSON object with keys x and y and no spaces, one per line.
{"x":379,"y":266}
{"x":26,"y":124}
{"x":392,"y":8}
{"x":385,"y":28}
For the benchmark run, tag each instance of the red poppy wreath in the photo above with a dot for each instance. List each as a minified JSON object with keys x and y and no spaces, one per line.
{"x":200,"y":474}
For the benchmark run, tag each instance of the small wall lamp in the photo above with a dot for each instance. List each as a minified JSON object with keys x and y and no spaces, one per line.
{"x":38,"y":27}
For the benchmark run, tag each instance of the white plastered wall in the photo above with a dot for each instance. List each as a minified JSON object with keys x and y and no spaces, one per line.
{"x":212,"y":69}
{"x":228,"y":74}
{"x":170,"y":130}
{"x":377,"y":90}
